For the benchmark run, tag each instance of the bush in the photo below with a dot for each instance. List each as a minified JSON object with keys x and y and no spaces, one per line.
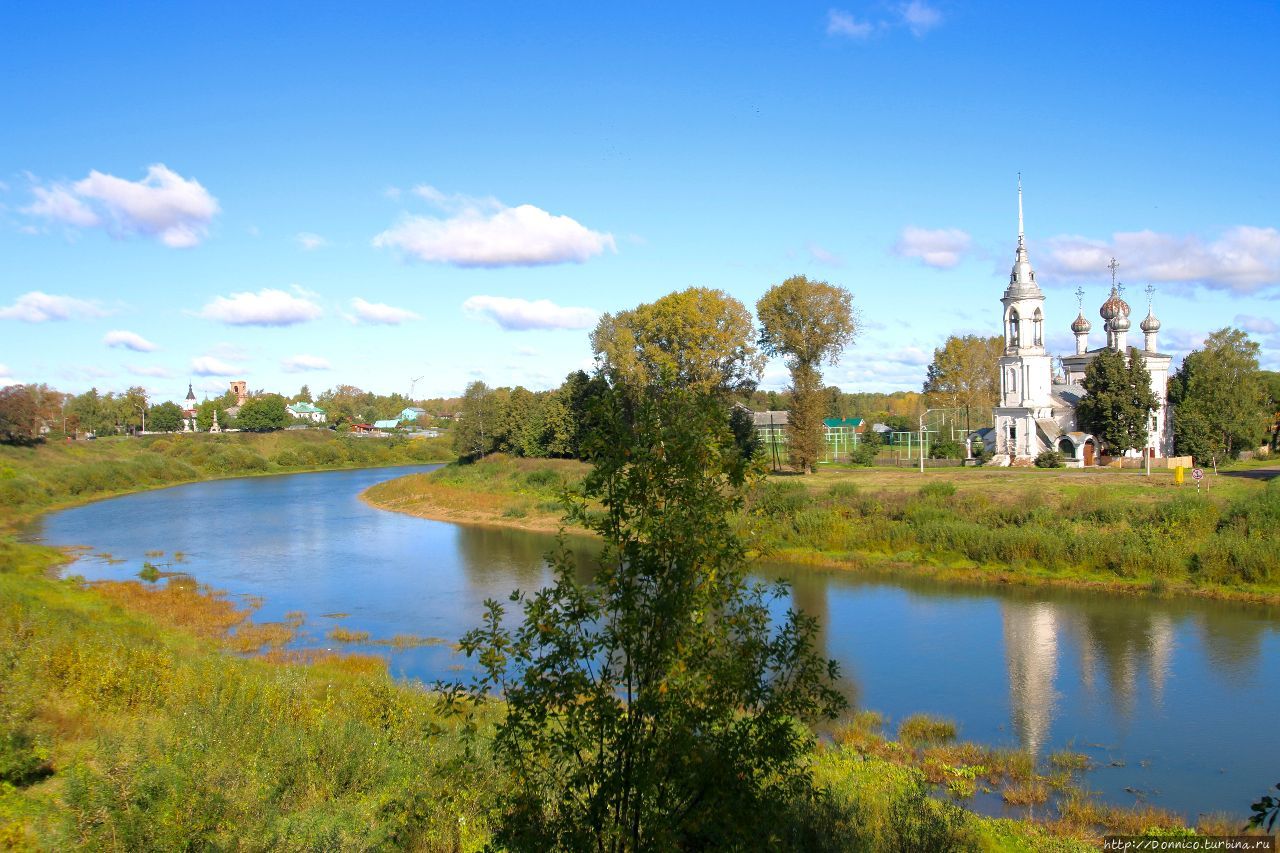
{"x":864,"y":454}
{"x":947,"y":450}
{"x":1049,"y":459}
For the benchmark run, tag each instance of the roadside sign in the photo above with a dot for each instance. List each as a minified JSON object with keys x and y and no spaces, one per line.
{"x":1197,"y":474}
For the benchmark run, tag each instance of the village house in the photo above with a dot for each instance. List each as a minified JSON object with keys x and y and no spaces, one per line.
{"x":303,"y":410}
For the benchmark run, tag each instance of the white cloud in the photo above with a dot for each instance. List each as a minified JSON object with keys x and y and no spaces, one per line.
{"x":164,"y":205}
{"x":941,"y":248}
{"x":1243,"y":260}
{"x":377,"y":313}
{"x":267,"y":307}
{"x":841,"y":23}
{"x":521,"y":314}
{"x":486,"y":233}
{"x":823,"y":256}
{"x":913,"y":356}
{"x":148,"y":370}
{"x":310,"y":242}
{"x":58,"y":203}
{"x":919,"y":17}
{"x":301,"y":363}
{"x":38,"y":307}
{"x":5,"y":373}
{"x":128,"y":340}
{"x":1257,"y":325}
{"x":207,"y":365}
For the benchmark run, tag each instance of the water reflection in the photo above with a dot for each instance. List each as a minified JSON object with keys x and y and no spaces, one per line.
{"x":1031,"y":654}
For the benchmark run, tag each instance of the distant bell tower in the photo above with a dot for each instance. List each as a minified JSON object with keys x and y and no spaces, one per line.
{"x":1026,"y":370}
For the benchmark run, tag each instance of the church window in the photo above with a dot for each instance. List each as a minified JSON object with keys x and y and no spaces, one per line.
{"x":1013,"y":328}
{"x":1037,"y":325}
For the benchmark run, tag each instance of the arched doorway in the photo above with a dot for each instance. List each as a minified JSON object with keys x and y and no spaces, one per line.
{"x":1088,"y":453}
{"x":1067,"y":448}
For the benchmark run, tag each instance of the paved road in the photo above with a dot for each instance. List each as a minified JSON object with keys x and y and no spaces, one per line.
{"x":1256,"y":473}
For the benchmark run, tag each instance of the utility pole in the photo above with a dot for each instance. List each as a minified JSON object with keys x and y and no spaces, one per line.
{"x":413,"y":383}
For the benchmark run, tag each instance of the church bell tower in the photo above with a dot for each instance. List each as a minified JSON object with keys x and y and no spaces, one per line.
{"x":1026,"y":370}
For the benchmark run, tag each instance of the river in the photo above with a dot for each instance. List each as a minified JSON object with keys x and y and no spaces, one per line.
{"x":1175,"y":701}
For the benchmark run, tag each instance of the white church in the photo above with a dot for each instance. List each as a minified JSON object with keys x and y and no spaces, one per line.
{"x":1037,"y":410}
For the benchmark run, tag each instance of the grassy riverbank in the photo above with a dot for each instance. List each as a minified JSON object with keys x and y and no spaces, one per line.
{"x":1115,"y":530}
{"x":159,"y":716}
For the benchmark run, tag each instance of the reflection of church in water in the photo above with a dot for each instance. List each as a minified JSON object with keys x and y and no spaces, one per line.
{"x":1037,"y":410}
{"x":1114,"y":647}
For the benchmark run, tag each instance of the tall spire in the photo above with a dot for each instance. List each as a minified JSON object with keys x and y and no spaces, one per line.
{"x":1021,"y":278}
{"x":1019,"y":208}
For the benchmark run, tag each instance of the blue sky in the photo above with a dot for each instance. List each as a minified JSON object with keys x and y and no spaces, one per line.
{"x":332,"y":193}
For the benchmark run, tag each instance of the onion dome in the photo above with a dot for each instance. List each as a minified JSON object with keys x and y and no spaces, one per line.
{"x":1081,"y":325}
{"x":1151,"y":324}
{"x":1120,"y":323}
{"x":1114,"y":307}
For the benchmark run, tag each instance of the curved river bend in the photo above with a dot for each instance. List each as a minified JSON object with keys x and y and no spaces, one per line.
{"x":1175,"y":700}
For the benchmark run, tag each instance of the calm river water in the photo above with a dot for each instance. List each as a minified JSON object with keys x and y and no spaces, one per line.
{"x":1175,"y":701}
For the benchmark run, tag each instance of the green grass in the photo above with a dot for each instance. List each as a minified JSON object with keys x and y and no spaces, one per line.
{"x":1107,"y":529}
{"x":119,"y":733}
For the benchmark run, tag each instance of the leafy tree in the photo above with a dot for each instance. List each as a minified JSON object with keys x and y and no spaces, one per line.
{"x":549,"y":430}
{"x":1271,"y":382}
{"x":204,"y":415}
{"x":473,"y":435}
{"x":745,"y":435}
{"x":1118,"y":400}
{"x":655,"y":706}
{"x":899,"y":423}
{"x":165,"y":417}
{"x":130,"y":407}
{"x":700,"y":339}
{"x":265,"y":413}
{"x":1219,"y":399}
{"x":808,"y":323}
{"x":964,"y":373}
{"x":304,"y":394}
{"x":18,"y":419}
{"x":582,"y":395}
{"x":90,"y":412}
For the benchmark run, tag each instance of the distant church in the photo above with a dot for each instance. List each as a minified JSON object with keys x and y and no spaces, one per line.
{"x":1037,"y":410}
